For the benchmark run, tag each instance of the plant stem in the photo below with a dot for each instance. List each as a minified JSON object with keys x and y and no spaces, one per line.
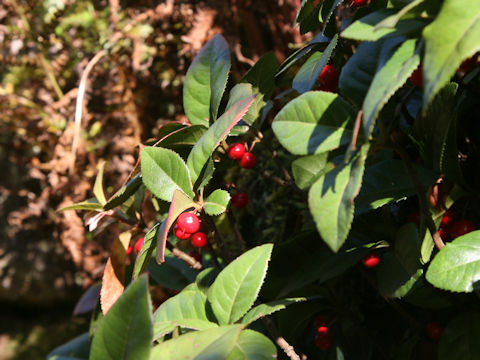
{"x":184,"y":256}
{"x":284,"y":345}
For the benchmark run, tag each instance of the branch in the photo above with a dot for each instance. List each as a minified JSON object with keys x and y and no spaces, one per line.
{"x":284,"y":345}
{"x":184,"y":256}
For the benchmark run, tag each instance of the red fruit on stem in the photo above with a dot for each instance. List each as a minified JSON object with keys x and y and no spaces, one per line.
{"x":444,"y":233}
{"x":323,"y":339}
{"x":248,"y":161}
{"x":328,"y":79}
{"x":461,"y":227}
{"x":138,"y":244}
{"x":448,"y":217}
{"x":188,"y":222}
{"x":129,"y":250}
{"x":414,"y":217}
{"x":358,"y":3}
{"x":434,"y":331}
{"x":199,"y":239}
{"x":181,"y":234}
{"x":236,"y":151}
{"x":320,"y":321}
{"x":371,"y":260}
{"x":240,"y":200}
{"x":417,"y":76}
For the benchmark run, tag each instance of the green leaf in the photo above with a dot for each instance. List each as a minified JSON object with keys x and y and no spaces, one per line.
{"x":268,"y":308}
{"x":205,"y":82}
{"x":306,"y":170}
{"x":240,"y":92}
{"x":98,"y":186}
{"x":206,"y":278}
{"x":300,"y":53}
{"x":180,"y":203}
{"x":365,"y":28}
{"x":460,"y":338}
{"x":173,"y":274}
{"x":313,"y":123}
{"x":209,"y":344}
{"x":262,"y":75}
{"x":124,"y":192}
{"x":400,"y":270}
{"x":457,"y":266}
{"x":330,"y":200}
{"x":237,"y":286}
{"x":183,"y":137}
{"x":163,"y":171}
{"x":91,"y":205}
{"x":187,"y":310}
{"x":204,"y":148}
{"x":252,"y":345}
{"x":359,"y":71}
{"x":387,"y":180}
{"x":216,"y":203}
{"x":143,"y":257}
{"x":388,"y":79}
{"x":126,"y":331}
{"x":453,"y":36}
{"x":308,"y":74}
{"x":75,"y":349}
{"x":432,"y":129}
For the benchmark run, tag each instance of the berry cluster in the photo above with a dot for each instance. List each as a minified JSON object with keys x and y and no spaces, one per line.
{"x":187,"y":227}
{"x":138,"y":246}
{"x":246,"y":160}
{"x":328,"y":79}
{"x":323,"y":338}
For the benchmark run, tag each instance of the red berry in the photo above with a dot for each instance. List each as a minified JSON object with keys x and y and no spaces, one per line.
{"x":434,"y":331}
{"x":414,"y":217}
{"x":448,"y":218}
{"x":461,"y":227}
{"x":240,"y":200}
{"x":138,"y":245}
{"x":248,"y":160}
{"x":358,"y":3}
{"x":181,"y":234}
{"x":371,"y":260}
{"x":328,"y":79}
{"x":417,"y":76}
{"x":236,"y":151}
{"x":444,"y":233}
{"x":188,"y":222}
{"x":199,"y":239}
{"x":195,"y":255}
{"x":323,"y":339}
{"x":320,"y":321}
{"x":129,"y":250}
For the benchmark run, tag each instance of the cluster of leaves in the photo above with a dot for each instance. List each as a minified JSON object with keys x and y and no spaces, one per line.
{"x":361,"y":159}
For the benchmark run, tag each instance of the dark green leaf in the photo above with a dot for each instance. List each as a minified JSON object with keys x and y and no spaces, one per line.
{"x":124,"y":192}
{"x":306,"y":170}
{"x":76,"y":349}
{"x":313,"y":123}
{"x":98,"y":186}
{"x":252,"y":345}
{"x":268,"y":308}
{"x":262,"y":75}
{"x":205,"y":82}
{"x":126,"y":331}
{"x":173,"y":273}
{"x":143,"y":257}
{"x":460,"y":338}
{"x":237,"y":286}
{"x":91,"y":205}
{"x":186,"y":136}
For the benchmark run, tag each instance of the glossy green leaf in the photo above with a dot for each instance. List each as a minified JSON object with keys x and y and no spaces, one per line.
{"x":173,"y":273}
{"x":236,"y":288}
{"x":240,"y":92}
{"x":453,"y":36}
{"x":313,"y":123}
{"x":186,"y":136}
{"x":365,"y":28}
{"x":460,"y":338}
{"x":262,"y":75}
{"x":400,"y":270}
{"x":163,"y":171}
{"x":126,"y":331}
{"x":187,"y":310}
{"x":262,"y":310}
{"x":76,"y":349}
{"x":330,"y":200}
{"x":209,"y":344}
{"x":204,"y":148}
{"x":216,"y":203}
{"x":306,"y":170}
{"x":457,"y":266}
{"x":124,"y":192}
{"x":252,"y":345}
{"x":98,"y":186}
{"x":206,"y":278}
{"x":91,"y":205}
{"x":180,"y":203}
{"x":300,"y":53}
{"x":143,"y":257}
{"x":205,"y":82}
{"x":388,"y":79}
{"x":308,"y":74}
